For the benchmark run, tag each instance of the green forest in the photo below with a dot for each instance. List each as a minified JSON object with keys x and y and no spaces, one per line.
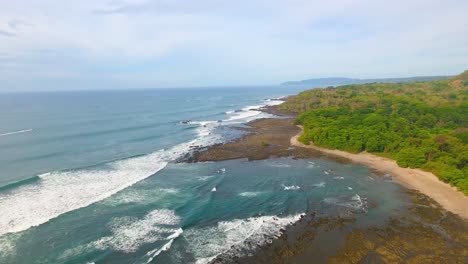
{"x":418,"y":124}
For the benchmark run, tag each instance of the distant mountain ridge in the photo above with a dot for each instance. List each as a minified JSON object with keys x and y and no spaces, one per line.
{"x":335,"y":81}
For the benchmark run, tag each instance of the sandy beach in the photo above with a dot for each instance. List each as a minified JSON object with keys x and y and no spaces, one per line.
{"x":425,"y":182}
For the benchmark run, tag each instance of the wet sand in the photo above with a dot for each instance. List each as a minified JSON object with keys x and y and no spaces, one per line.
{"x":265,"y":138}
{"x":423,"y":181}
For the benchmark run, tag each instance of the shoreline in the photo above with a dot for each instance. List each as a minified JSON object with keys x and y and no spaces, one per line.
{"x":277,"y":137}
{"x":425,"y":182}
{"x":423,"y":225}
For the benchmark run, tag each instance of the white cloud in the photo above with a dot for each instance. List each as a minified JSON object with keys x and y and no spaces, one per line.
{"x":175,"y":42}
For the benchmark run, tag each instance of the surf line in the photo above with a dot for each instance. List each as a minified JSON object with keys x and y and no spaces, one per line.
{"x":16,"y":132}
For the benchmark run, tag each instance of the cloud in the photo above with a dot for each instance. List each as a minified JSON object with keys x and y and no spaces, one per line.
{"x":16,"y":24}
{"x":7,"y":34}
{"x":123,"y":7}
{"x":176,"y":43}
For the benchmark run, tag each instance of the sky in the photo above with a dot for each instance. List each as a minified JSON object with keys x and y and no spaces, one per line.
{"x":91,"y":44}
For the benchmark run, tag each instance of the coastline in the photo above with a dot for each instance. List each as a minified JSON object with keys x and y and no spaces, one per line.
{"x":425,"y":182}
{"x":277,"y":137}
{"x":424,"y":226}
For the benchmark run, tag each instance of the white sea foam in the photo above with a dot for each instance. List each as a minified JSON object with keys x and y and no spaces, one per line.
{"x":62,"y":191}
{"x":274,"y":101}
{"x":166,"y":246}
{"x":358,"y":202}
{"x":244,"y":115}
{"x":319,"y":185}
{"x":16,"y":132}
{"x":355,"y":202}
{"x":250,"y":194}
{"x":7,"y":246}
{"x":279,"y":165}
{"x":235,"y":236}
{"x":291,"y":188}
{"x":204,"y":178}
{"x":140,"y":196}
{"x":129,"y":233}
{"x":75,"y":251}
{"x":251,"y":112}
{"x":312,"y":165}
{"x":205,"y":128}
{"x":59,"y":192}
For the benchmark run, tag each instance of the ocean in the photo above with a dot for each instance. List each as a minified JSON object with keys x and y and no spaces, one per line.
{"x":90,"y":177}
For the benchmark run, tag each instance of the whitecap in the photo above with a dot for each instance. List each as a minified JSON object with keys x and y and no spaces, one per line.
{"x":291,"y":188}
{"x":249,"y":194}
{"x":205,"y":128}
{"x":244,"y":116}
{"x":16,"y":132}
{"x":58,"y":192}
{"x":129,"y":233}
{"x":319,"y":185}
{"x":251,"y":112}
{"x":166,"y":246}
{"x":279,"y":165}
{"x":235,"y":236}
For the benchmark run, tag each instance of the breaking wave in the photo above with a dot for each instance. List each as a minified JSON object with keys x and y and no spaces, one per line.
{"x":16,"y":132}
{"x":236,"y":237}
{"x":58,"y":192}
{"x":129,"y":233}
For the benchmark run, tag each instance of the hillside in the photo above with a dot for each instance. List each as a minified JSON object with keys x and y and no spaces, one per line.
{"x":334,"y":81}
{"x":419,"y":124}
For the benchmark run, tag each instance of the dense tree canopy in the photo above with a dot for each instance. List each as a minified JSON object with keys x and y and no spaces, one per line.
{"x":420,"y":125}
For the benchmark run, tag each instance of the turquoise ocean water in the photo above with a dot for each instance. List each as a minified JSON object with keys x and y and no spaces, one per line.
{"x":88,"y":177}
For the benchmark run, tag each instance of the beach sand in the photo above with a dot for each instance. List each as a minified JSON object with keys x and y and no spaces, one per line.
{"x":425,"y":182}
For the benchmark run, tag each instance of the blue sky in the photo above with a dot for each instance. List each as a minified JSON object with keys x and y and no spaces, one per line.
{"x":69,"y":45}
